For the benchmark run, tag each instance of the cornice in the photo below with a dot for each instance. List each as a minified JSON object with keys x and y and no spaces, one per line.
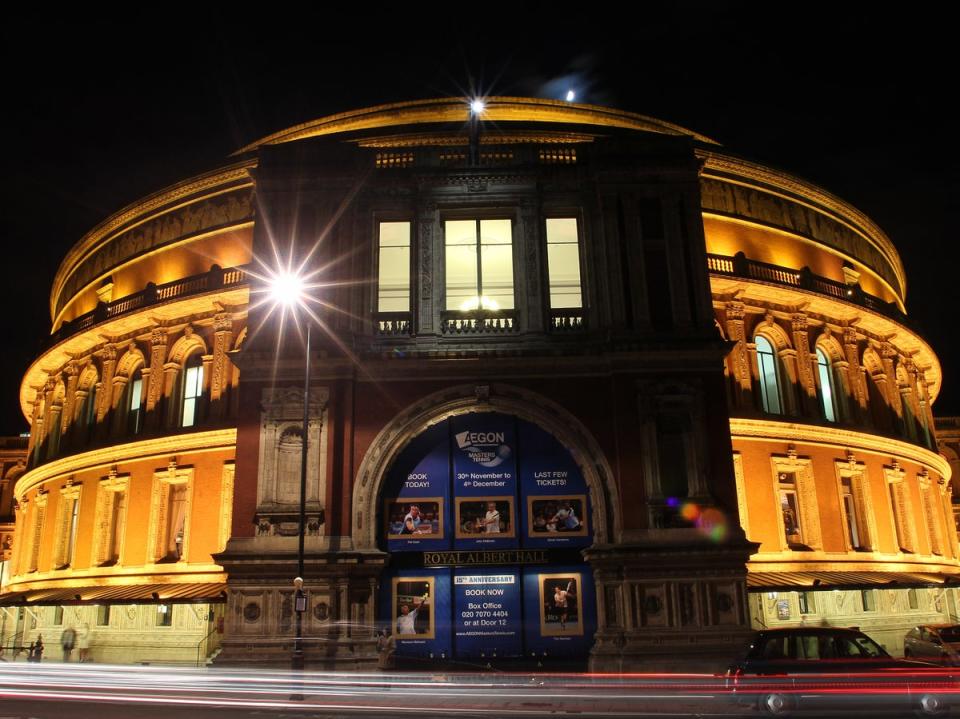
{"x":237,"y":176}
{"x":156,"y":448}
{"x":456,"y":109}
{"x":818,"y":199}
{"x":835,"y":437}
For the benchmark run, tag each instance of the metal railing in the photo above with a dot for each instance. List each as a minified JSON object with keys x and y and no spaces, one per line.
{"x":739,"y":266}
{"x":478,"y":322}
{"x":216,"y":278}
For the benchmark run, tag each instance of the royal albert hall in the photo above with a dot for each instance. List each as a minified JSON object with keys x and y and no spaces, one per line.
{"x":585,"y":389}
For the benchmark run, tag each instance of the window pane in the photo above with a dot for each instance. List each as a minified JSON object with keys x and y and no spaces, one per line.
{"x":394,"y":234}
{"x":767,"y":364}
{"x":394,"y":280}
{"x":193,"y":385}
{"x":849,"y":509}
{"x":826,"y":386}
{"x":497,"y":280}
{"x":393,"y":272}
{"x":563,"y":267}
{"x":461,"y":266}
{"x":495,"y":232}
{"x":460,"y":232}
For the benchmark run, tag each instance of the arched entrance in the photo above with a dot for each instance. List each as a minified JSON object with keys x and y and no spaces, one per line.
{"x":485,"y":512}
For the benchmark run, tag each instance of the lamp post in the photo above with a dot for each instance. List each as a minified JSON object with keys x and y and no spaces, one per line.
{"x":287,"y":289}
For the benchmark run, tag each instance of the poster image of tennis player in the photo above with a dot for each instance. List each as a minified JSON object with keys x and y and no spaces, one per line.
{"x":558,"y":515}
{"x":420,"y":518}
{"x":413,"y":615}
{"x":485,"y":517}
{"x":560,"y":605}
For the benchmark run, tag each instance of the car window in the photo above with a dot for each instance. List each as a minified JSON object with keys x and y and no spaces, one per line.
{"x":858,"y":648}
{"x":950,"y":634}
{"x":806,"y":646}
{"x":774,"y":648}
{"x":913,"y":633}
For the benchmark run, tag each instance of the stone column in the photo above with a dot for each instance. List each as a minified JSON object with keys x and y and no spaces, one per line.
{"x":888,"y":354}
{"x":220,"y":365}
{"x":155,"y":382}
{"x":739,"y":356}
{"x":857,"y":386}
{"x":805,"y":365}
{"x":70,"y":397}
{"x":425,"y":224}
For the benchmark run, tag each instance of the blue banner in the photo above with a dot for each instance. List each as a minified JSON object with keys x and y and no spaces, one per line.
{"x":559,"y":610}
{"x":484,"y":481}
{"x":554,"y":501}
{"x":415,"y":609}
{"x":416,"y":505}
{"x":487,"y":617}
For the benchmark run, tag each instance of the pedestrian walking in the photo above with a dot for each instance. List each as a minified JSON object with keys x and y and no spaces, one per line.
{"x":67,"y":641}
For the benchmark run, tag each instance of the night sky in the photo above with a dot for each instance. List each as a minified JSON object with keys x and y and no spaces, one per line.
{"x":98,"y":114}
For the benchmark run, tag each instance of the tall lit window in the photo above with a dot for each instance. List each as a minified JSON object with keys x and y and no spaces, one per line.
{"x":563,"y":263}
{"x":913,"y":601}
{"x":902,"y":511}
{"x":135,"y":402}
{"x":192,"y":390}
{"x":117,"y":514}
{"x":479,"y":264}
{"x":851,"y":516}
{"x":769,"y":377}
{"x":164,"y":615}
{"x":807,"y":602}
{"x":39,"y":517}
{"x":828,"y":402}
{"x":69,"y":515}
{"x":173,"y":529}
{"x":790,"y":508}
{"x":393,"y":277}
{"x":927,"y":494}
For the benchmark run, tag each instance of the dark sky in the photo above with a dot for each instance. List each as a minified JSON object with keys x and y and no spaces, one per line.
{"x":99,"y":113}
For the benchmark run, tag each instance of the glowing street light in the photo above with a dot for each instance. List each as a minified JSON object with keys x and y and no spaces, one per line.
{"x":288,"y":289}
{"x":477,"y":106}
{"x":571,"y":95}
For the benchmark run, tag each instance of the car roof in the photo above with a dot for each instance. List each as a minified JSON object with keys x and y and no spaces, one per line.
{"x":809,"y":630}
{"x":938,"y":626}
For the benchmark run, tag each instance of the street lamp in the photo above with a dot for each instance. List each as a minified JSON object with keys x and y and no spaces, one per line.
{"x":287,"y":289}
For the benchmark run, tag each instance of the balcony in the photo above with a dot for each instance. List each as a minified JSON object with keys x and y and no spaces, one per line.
{"x":802,"y":279}
{"x":478,"y":323}
{"x":216,"y":279}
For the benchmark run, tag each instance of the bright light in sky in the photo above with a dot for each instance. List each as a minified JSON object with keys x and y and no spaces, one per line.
{"x":571,"y":95}
{"x":477,"y":106}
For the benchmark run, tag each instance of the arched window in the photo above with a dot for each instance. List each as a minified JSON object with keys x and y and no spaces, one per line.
{"x":134,"y":402}
{"x":770,"y":397}
{"x":828,"y":397}
{"x":192,"y":390}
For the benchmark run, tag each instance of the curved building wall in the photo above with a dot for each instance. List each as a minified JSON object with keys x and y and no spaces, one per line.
{"x":181,"y":490}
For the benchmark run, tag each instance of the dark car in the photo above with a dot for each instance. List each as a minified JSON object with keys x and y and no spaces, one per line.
{"x":934,"y":643}
{"x":829,"y":667}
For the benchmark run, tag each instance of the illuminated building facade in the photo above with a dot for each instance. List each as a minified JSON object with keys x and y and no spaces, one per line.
{"x":542,"y":333}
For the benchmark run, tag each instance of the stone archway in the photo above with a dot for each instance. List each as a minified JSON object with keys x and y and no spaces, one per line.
{"x":505,"y":399}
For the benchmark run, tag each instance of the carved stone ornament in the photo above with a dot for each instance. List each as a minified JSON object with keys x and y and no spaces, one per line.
{"x":652,"y":604}
{"x":251,"y":611}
